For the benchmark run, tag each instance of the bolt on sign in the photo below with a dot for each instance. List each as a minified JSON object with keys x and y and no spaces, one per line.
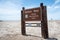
{"x":35,"y":14}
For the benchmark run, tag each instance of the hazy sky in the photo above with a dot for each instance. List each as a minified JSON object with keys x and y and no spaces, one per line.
{"x":10,"y":9}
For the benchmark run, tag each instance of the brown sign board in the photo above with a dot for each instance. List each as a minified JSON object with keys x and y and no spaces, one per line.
{"x":33,"y":14}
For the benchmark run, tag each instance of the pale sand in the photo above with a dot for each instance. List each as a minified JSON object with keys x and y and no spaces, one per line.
{"x":12,"y":31}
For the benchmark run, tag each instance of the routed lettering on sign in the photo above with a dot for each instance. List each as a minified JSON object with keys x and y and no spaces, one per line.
{"x":32,"y":14}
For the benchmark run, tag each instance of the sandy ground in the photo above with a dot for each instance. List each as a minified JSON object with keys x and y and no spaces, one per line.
{"x":12,"y":31}
{"x":21,"y":37}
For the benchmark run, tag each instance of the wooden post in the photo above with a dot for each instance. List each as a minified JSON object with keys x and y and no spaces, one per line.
{"x":23,"y":30}
{"x":44,"y":27}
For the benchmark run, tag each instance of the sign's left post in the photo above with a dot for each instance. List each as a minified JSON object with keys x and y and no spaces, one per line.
{"x":23,"y":29}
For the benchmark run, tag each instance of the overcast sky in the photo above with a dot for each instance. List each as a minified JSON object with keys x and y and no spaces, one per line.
{"x":10,"y":9}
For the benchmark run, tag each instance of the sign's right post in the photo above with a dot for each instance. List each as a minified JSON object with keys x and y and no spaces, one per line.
{"x":44,"y":25}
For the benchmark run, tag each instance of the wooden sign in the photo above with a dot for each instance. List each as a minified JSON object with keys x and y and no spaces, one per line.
{"x":35,"y":14}
{"x":32,"y":14}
